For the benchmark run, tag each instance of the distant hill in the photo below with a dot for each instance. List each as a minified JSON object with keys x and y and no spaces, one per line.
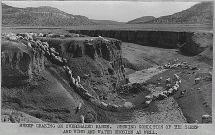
{"x":106,"y":22}
{"x":141,"y":20}
{"x":199,"y":13}
{"x":40,"y":16}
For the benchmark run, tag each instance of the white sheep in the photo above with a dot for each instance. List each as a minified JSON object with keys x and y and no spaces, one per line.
{"x":183,"y":92}
{"x":79,"y":79}
{"x":79,"y":106}
{"x":115,"y":106}
{"x":161,"y":95}
{"x":169,"y":92}
{"x":13,"y":38}
{"x":104,"y":104}
{"x":70,"y":72}
{"x":64,"y":67}
{"x":82,"y":118}
{"x":76,"y":82}
{"x":148,"y":102}
{"x":45,"y":44}
{"x":62,"y":36}
{"x":159,"y":67}
{"x":154,"y":97}
{"x":168,"y":80}
{"x":168,"y":86}
{"x":160,"y":78}
{"x":171,"y":89}
{"x":197,"y":80}
{"x":174,"y":66}
{"x":177,"y":85}
{"x":40,"y":35}
{"x":29,"y":45}
{"x":20,"y":37}
{"x":73,"y":80}
{"x":148,"y":98}
{"x":50,"y":35}
{"x":71,"y":77}
{"x":175,"y":88}
{"x":165,"y":93}
{"x":176,"y":77}
{"x":184,"y":63}
{"x":176,"y":60}
{"x":76,"y":35}
{"x":210,"y":73}
{"x":67,"y":68}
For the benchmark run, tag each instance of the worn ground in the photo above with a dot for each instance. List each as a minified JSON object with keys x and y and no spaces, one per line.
{"x":176,"y":109}
{"x":194,"y":103}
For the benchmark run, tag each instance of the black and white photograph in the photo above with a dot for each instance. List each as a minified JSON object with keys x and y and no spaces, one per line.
{"x":107,"y":62}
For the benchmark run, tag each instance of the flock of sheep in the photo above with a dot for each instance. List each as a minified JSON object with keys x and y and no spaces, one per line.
{"x":183,"y":65}
{"x":30,"y":35}
{"x":52,"y":55}
{"x":55,"y":58}
{"x":170,"y":90}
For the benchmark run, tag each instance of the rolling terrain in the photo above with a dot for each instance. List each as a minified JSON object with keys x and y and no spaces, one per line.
{"x":116,"y":71}
{"x":199,"y":13}
{"x":40,"y":16}
{"x":51,"y":98}
{"x":141,"y":20}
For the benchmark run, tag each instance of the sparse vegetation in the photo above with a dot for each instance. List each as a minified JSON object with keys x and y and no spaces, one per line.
{"x":50,"y":96}
{"x":40,"y":16}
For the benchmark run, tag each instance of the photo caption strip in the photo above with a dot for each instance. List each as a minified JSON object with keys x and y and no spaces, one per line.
{"x":129,"y":129}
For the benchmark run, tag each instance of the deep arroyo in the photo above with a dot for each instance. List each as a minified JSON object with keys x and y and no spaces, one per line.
{"x":94,"y":79}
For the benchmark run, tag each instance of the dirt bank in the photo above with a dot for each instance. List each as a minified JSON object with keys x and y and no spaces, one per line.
{"x":191,"y":43}
{"x":52,"y":98}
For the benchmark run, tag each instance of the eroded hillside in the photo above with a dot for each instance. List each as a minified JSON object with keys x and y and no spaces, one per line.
{"x":95,"y":79}
{"x":95,"y":66}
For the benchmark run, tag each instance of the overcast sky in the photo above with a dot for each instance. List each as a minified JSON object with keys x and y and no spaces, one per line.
{"x":122,"y":11}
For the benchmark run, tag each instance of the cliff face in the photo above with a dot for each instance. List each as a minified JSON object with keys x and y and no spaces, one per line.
{"x":197,"y":42}
{"x":19,"y":63}
{"x":93,"y":56}
{"x":192,"y":44}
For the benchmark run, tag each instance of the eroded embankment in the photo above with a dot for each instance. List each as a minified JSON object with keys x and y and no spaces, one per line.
{"x":20,"y":64}
{"x":94,"y":65}
{"x":190,"y":42}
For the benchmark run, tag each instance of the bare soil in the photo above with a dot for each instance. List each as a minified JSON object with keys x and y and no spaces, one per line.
{"x":194,"y":103}
{"x":62,"y":100}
